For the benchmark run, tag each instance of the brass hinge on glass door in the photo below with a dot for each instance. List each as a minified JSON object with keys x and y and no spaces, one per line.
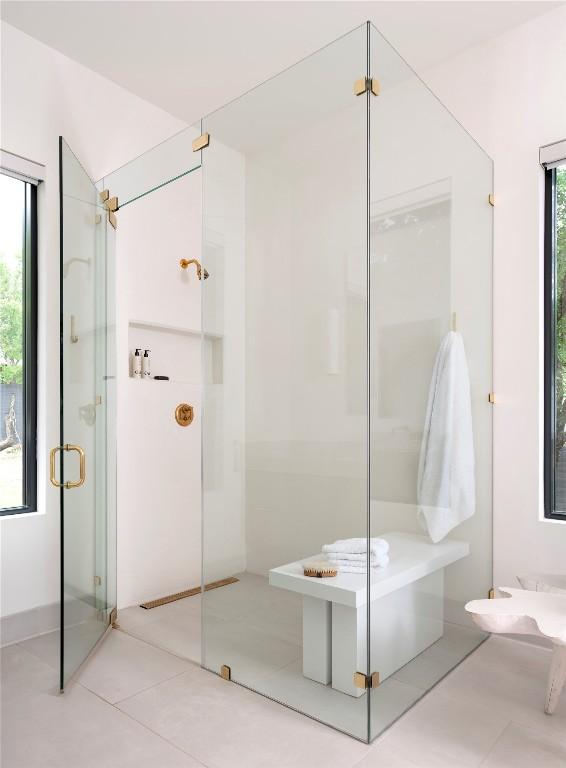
{"x":201,"y":142}
{"x":366,"y":681}
{"x":365,"y":84}
{"x":111,"y":204}
{"x":82,"y":473}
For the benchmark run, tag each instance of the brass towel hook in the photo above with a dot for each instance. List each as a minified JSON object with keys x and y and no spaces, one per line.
{"x":185,"y":263}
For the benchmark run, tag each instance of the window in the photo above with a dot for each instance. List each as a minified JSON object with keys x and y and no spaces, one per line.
{"x":555,"y":332}
{"x":18,"y":348}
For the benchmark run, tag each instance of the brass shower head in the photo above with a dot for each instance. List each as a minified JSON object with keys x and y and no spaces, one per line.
{"x":185,"y":263}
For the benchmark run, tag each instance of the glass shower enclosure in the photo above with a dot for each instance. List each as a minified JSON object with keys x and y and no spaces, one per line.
{"x":347,"y":370}
{"x":346,"y":382}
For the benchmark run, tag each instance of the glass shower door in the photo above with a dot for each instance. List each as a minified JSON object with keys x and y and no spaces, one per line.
{"x":83,"y":465}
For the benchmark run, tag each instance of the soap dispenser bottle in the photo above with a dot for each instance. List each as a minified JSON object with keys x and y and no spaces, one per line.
{"x":137,"y":366}
{"x":146,"y":364}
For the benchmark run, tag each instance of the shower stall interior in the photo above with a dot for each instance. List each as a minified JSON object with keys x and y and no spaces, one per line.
{"x":345,"y":335}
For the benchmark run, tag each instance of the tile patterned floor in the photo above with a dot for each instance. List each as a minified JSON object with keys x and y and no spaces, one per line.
{"x":257,"y":631}
{"x":137,"y":705}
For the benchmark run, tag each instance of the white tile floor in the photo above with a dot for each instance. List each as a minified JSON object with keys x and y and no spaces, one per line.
{"x":257,"y":630}
{"x":137,"y":705}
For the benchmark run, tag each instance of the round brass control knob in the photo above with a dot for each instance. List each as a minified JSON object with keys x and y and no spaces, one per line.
{"x":184,"y":414}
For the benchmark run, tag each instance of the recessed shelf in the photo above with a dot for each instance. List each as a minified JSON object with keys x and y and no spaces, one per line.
{"x":188,"y":382}
{"x":180,"y":352}
{"x":164,"y":328}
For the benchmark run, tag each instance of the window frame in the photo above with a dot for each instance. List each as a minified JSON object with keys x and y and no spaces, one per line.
{"x":29,"y":335}
{"x":550,"y":512}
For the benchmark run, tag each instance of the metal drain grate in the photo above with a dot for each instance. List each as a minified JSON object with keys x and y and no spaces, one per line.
{"x":188,"y":593}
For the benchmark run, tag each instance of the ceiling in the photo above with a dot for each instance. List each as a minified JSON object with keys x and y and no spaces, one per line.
{"x":191,"y":57}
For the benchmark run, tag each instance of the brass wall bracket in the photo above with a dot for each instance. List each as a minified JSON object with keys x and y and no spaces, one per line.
{"x":491,"y":199}
{"x":111,"y":204}
{"x":184,"y":414}
{"x":491,"y":398}
{"x":202,"y":142}
{"x":366,"y":681}
{"x":225,"y":672}
{"x":365,"y":84}
{"x":491,"y":594}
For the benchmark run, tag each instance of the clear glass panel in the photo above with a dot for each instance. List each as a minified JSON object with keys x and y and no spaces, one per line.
{"x":430,"y":276}
{"x":285,"y":422}
{"x":12,"y":410}
{"x":87,"y":415}
{"x":165,"y":162}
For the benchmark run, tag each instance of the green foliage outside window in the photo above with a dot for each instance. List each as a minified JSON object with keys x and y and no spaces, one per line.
{"x":11,"y":342}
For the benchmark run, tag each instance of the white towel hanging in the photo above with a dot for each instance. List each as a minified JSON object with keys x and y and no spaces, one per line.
{"x":446,"y":490}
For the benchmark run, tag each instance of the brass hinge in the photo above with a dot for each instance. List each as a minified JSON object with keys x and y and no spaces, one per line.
{"x":111,"y":204}
{"x":366,"y":681}
{"x":225,"y":672}
{"x":202,"y":142}
{"x":114,"y":618}
{"x":366,"y":84}
{"x":491,"y":199}
{"x":491,"y":398}
{"x":491,"y":594}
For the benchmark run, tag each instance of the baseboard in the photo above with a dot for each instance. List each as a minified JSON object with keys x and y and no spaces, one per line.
{"x":37,"y":621}
{"x":17,"y":627}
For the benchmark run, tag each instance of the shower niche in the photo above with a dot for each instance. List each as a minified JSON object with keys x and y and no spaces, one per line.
{"x":344,"y":218}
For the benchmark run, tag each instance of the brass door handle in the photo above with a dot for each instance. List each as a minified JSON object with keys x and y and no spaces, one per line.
{"x":82,"y":466}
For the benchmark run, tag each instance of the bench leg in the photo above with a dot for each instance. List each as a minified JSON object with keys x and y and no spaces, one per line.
{"x":349,"y":643}
{"x":317,"y":639}
{"x":556,"y":678}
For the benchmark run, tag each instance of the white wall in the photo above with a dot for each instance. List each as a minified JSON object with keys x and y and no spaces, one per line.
{"x":45,"y":94}
{"x":510,"y":93}
{"x":159,"y":520}
{"x":223,"y":317}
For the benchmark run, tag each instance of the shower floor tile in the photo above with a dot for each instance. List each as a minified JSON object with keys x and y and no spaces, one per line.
{"x":256,"y":630}
{"x":488,"y":712}
{"x":43,"y":729}
{"x":224,"y":725}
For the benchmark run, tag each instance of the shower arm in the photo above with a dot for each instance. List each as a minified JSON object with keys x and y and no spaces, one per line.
{"x":186,"y":262}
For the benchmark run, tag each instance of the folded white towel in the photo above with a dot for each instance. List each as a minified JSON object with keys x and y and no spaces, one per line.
{"x":375,"y":562}
{"x":357,"y":546}
{"x":353,"y":556}
{"x":351,"y":568}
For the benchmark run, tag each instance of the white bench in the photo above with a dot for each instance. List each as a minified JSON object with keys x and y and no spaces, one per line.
{"x":407,"y":610}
